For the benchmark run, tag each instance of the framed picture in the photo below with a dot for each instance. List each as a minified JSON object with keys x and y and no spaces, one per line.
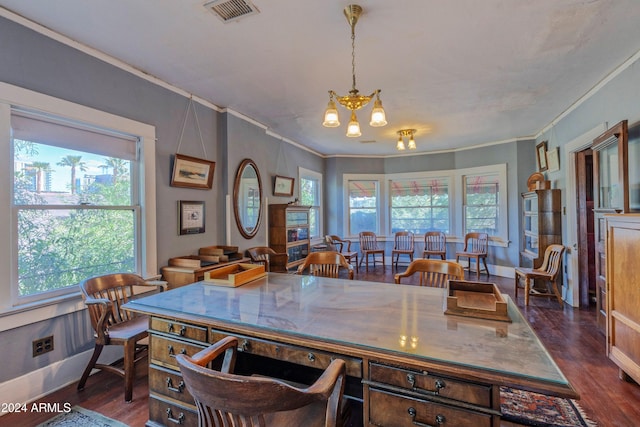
{"x":191,"y":216}
{"x":553,"y":160}
{"x":191,"y":172}
{"x":283,"y":186}
{"x":541,"y":154}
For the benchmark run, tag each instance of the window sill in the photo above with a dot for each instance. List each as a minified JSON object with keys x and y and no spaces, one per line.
{"x":15,"y":317}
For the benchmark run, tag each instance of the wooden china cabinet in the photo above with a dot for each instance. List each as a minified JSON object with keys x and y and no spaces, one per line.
{"x":541,"y":223}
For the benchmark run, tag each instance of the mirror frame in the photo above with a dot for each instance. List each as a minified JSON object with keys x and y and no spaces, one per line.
{"x":236,"y":193}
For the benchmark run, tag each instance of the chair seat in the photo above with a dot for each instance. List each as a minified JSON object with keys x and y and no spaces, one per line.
{"x":135,"y":329}
{"x":351,"y":256}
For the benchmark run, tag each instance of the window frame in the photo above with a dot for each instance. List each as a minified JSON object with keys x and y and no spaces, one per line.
{"x":380,"y":196}
{"x":456,"y":199}
{"x":13,"y":96}
{"x":318,"y":177}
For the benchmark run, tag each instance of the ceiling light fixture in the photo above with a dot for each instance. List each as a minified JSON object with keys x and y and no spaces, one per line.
{"x":354,"y":101}
{"x":402,"y":133}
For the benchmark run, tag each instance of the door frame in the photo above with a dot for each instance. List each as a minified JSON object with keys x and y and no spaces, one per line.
{"x":571,"y":288}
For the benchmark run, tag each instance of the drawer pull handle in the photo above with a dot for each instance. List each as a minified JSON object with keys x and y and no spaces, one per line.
{"x":411,"y":379}
{"x":311,"y":357}
{"x":245,"y":346}
{"x":183,"y":329}
{"x":172,"y":352}
{"x":439,"y":419}
{"x":175,"y":389}
{"x":178,"y":420}
{"x":439,"y":384}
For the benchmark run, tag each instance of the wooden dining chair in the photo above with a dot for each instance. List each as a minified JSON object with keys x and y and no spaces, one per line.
{"x":227,"y":399}
{"x":403,"y":244}
{"x":346,"y":252}
{"x":433,"y":272}
{"x":369,"y":246}
{"x":272,"y":260}
{"x":435,"y":243}
{"x":547,"y":272}
{"x":476,"y":246}
{"x":112,"y":325}
{"x":325,"y":264}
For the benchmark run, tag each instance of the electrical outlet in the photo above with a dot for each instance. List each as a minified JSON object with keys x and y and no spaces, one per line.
{"x":42,"y":345}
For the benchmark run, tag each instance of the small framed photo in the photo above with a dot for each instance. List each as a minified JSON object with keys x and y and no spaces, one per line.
{"x":553,"y":160}
{"x":283,"y":186}
{"x":191,"y":172}
{"x":541,"y":154}
{"x":191,"y":216}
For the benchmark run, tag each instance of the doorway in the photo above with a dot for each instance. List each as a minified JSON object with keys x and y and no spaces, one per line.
{"x":586,"y":239}
{"x":572,"y":292}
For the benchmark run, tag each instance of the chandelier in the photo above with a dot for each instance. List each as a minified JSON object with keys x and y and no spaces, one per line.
{"x":354,"y":101}
{"x":402,"y":133}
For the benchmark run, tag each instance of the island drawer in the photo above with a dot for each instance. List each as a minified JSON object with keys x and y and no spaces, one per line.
{"x":183,"y":330}
{"x":168,"y":383}
{"x":390,"y":409}
{"x":291,"y":353}
{"x":421,"y":382}
{"x":164,"y":350}
{"x":165,"y":412}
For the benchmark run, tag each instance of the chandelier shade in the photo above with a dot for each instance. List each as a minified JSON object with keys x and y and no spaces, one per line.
{"x":354,"y":100}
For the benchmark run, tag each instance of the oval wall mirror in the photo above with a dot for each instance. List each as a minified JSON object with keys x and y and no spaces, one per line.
{"x":247,"y":198}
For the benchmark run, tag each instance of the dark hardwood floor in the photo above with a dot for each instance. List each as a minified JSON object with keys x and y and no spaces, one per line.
{"x":569,"y":334}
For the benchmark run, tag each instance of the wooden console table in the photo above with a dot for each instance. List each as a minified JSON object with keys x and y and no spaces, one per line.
{"x":407,"y":362}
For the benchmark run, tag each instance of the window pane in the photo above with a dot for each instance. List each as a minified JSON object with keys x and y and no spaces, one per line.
{"x":482,"y":204}
{"x":420,"y":205}
{"x":74,"y":203}
{"x":59,"y":248}
{"x":47,"y":175}
{"x":310,"y":196}
{"x":363,"y":206}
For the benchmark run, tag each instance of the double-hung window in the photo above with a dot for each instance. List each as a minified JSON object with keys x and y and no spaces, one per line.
{"x":311,"y":195}
{"x":363,"y":196}
{"x":75,"y":203}
{"x":419,"y":204}
{"x":482,"y":203}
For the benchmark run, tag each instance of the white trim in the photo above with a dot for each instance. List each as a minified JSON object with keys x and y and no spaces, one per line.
{"x":11,"y":95}
{"x":571,"y":287}
{"x":41,"y":382}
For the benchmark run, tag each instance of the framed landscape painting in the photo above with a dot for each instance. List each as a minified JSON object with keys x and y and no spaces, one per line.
{"x":191,"y":172}
{"x":283,"y":186}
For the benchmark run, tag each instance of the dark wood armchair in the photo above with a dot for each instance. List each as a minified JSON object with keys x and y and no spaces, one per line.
{"x":224,"y":398}
{"x":104,"y":297}
{"x":347,"y":253}
{"x":326,"y":264}
{"x":433,"y":272}
{"x":272,"y":260}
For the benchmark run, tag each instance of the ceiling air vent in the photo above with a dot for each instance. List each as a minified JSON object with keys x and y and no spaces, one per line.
{"x":231,"y":10}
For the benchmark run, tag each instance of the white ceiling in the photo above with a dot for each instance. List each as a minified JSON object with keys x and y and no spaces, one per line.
{"x":462,"y":72}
